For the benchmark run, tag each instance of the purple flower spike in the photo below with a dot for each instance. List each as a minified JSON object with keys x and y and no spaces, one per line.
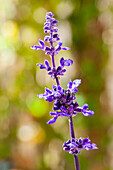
{"x":85,"y":110}
{"x":64,"y":100}
{"x":50,"y":25}
{"x":76,"y":145}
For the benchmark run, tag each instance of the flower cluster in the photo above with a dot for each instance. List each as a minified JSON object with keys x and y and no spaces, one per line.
{"x":65,"y":104}
{"x":74,"y":146}
{"x":59,"y":71}
{"x":64,"y":101}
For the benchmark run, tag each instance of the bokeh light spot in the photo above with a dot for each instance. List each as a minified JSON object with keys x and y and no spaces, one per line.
{"x":39,"y":15}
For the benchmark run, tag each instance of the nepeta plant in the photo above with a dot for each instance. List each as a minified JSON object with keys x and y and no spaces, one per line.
{"x":64,"y":100}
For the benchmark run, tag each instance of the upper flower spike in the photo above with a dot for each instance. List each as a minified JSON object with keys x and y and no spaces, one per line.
{"x":51,"y":28}
{"x":50,"y":24}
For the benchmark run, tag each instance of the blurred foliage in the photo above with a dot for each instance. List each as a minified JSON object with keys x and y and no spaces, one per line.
{"x":26,"y":141}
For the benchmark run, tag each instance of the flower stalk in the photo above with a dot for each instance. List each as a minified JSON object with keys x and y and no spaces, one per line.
{"x":65,"y":104}
{"x":77,"y":167}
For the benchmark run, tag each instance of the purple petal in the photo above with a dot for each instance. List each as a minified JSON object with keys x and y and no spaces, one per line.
{"x":63,"y":109}
{"x":47,"y":63}
{"x":40,"y":96}
{"x":62,"y":61}
{"x":59,"y":88}
{"x":74,"y":89}
{"x":65,"y":114}
{"x":46,"y":38}
{"x":46,"y":28}
{"x":47,"y":23}
{"x":53,"y":113}
{"x":58,"y":48}
{"x":55,"y":35}
{"x":50,"y":14}
{"x":86,"y":140}
{"x":76,"y":104}
{"x":68,"y":62}
{"x":57,"y":39}
{"x":88,"y":113}
{"x":60,"y":43}
{"x":75,"y":113}
{"x":55,"y":30}
{"x":48,"y":90}
{"x":48,"y":53}
{"x":85,"y":111}
{"x":61,"y":114}
{"x":77,"y":82}
{"x":35,"y":47}
{"x":53,"y":120}
{"x":70,"y":84}
{"x":66,"y":48}
{"x":94,"y":146}
{"x":41,"y":66}
{"x":59,"y":69}
{"x":49,"y":99}
{"x":41,"y":43}
{"x":55,"y":22}
{"x":67,"y":149}
{"x":54,"y":87}
{"x":85,"y":106}
{"x":47,"y":49}
{"x":51,"y":73}
{"x":90,"y":146}
{"x":63,"y":71}
{"x":47,"y":18}
{"x":78,"y":109}
{"x":46,"y":31}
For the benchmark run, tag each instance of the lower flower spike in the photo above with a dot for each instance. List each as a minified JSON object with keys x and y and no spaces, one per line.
{"x":74,"y":146}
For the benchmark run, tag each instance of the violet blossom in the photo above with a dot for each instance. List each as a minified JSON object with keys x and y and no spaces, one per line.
{"x":64,"y":100}
{"x":74,"y":146}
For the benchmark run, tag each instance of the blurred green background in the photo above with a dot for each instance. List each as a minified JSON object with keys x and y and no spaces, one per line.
{"x":26,"y":141}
